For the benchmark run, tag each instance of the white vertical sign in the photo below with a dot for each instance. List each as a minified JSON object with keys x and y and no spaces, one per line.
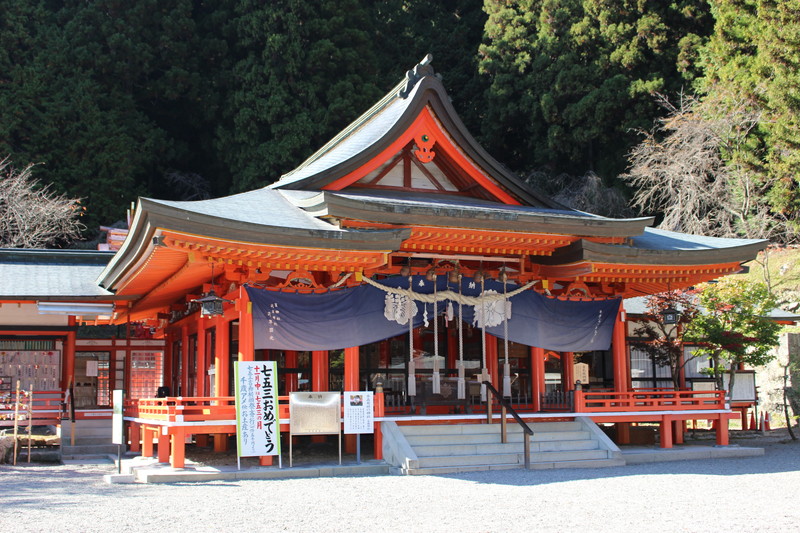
{"x":258,"y":425}
{"x":116,"y":418}
{"x":359,"y":416}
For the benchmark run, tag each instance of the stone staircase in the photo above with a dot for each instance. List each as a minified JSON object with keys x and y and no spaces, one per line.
{"x":92,"y":441}
{"x":452,"y":448}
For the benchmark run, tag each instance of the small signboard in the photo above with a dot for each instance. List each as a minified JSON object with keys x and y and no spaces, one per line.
{"x":359,"y":417}
{"x":258,"y":426}
{"x":116,"y":418}
{"x":315,"y":413}
{"x":581,"y":373}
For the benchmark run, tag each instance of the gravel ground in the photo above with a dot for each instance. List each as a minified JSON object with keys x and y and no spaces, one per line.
{"x":746,"y":494}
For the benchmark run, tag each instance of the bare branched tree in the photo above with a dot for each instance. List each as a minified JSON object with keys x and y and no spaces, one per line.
{"x":188,"y":185}
{"x":33,"y":216}
{"x":687,"y":169}
{"x":584,"y":193}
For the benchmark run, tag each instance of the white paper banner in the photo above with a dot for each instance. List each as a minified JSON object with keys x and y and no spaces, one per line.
{"x":258,"y":426}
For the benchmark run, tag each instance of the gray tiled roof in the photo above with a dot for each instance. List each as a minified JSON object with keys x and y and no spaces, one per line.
{"x":659,"y":239}
{"x":367,"y":130}
{"x":462,"y":204}
{"x":52,"y":274}
{"x":264,"y":207}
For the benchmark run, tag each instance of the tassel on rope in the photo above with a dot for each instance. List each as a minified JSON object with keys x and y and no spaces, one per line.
{"x":412,"y":377}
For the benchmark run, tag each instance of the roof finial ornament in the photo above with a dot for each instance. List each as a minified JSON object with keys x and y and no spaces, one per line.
{"x":422,"y":69}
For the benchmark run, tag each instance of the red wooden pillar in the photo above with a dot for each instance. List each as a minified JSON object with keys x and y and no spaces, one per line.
{"x":166,"y":377}
{"x":377,"y":440}
{"x":202,"y":362}
{"x":452,"y":346}
{"x":222,"y":356}
{"x":163,"y":445}
{"x":351,"y":383}
{"x":135,"y":436}
{"x":665,"y":431}
{"x":491,"y":360}
{"x":721,"y":427}
{"x":568,"y":370}
{"x":222,"y":359}
{"x":68,"y":374}
{"x":320,"y":368}
{"x":185,"y":362}
{"x":247,"y":351}
{"x":384,"y":354}
{"x":290,"y":361}
{"x":619,"y":355}
{"x":320,"y":378}
{"x":537,"y":377}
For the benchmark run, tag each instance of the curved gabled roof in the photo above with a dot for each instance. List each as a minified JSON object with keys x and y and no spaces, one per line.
{"x":661,"y":247}
{"x":442,"y":210}
{"x":392,"y":116}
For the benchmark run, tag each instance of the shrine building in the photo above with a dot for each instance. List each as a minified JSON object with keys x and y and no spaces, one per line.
{"x":402,"y":258}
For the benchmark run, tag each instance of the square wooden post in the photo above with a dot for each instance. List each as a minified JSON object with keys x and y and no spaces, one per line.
{"x":666,"y":432}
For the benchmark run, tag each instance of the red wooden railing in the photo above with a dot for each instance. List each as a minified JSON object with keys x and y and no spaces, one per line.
{"x":647,"y":400}
{"x":191,"y":409}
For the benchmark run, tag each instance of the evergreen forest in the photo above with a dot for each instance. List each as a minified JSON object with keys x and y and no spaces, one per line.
{"x":686,"y":109}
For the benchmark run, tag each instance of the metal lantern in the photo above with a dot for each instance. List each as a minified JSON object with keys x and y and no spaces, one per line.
{"x":211,"y":304}
{"x":670,"y":315}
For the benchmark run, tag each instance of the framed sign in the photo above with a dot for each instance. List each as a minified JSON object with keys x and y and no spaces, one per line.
{"x":359,"y":416}
{"x":258,"y":426}
{"x":315,"y":413}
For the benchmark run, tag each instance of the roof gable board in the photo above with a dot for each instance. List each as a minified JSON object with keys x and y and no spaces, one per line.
{"x":403,"y":116}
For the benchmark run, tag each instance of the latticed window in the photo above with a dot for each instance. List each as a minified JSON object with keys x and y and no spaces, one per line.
{"x":146,"y":374}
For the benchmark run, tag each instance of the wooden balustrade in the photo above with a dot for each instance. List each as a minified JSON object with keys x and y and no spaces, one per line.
{"x":647,"y":400}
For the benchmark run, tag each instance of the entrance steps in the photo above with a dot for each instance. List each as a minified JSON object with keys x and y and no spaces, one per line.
{"x":452,"y":448}
{"x":92,"y":440}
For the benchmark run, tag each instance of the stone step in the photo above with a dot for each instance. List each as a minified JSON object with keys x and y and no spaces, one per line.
{"x":86,"y":441}
{"x":466,"y":429}
{"x":88,"y":458}
{"x":463,"y":448}
{"x":91,"y":449}
{"x":434,"y":471}
{"x":487,"y":438}
{"x":512,"y":458}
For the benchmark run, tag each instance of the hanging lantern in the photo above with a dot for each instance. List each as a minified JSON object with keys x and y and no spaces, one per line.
{"x":670,"y":315}
{"x":211,"y":304}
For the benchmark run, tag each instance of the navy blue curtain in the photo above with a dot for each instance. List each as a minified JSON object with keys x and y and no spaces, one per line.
{"x":355,"y":316}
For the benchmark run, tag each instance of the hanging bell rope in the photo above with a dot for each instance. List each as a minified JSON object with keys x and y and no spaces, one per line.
{"x":437,"y":383}
{"x":461,"y":383}
{"x":412,"y":377}
{"x":484,"y":371}
{"x":506,"y":365}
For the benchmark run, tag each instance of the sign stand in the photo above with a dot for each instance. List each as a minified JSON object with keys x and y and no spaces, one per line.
{"x":359,"y":416}
{"x":258,"y":424}
{"x":117,"y":425}
{"x":314,"y":413}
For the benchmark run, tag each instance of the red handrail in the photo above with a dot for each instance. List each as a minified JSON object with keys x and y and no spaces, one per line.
{"x":650,"y":400}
